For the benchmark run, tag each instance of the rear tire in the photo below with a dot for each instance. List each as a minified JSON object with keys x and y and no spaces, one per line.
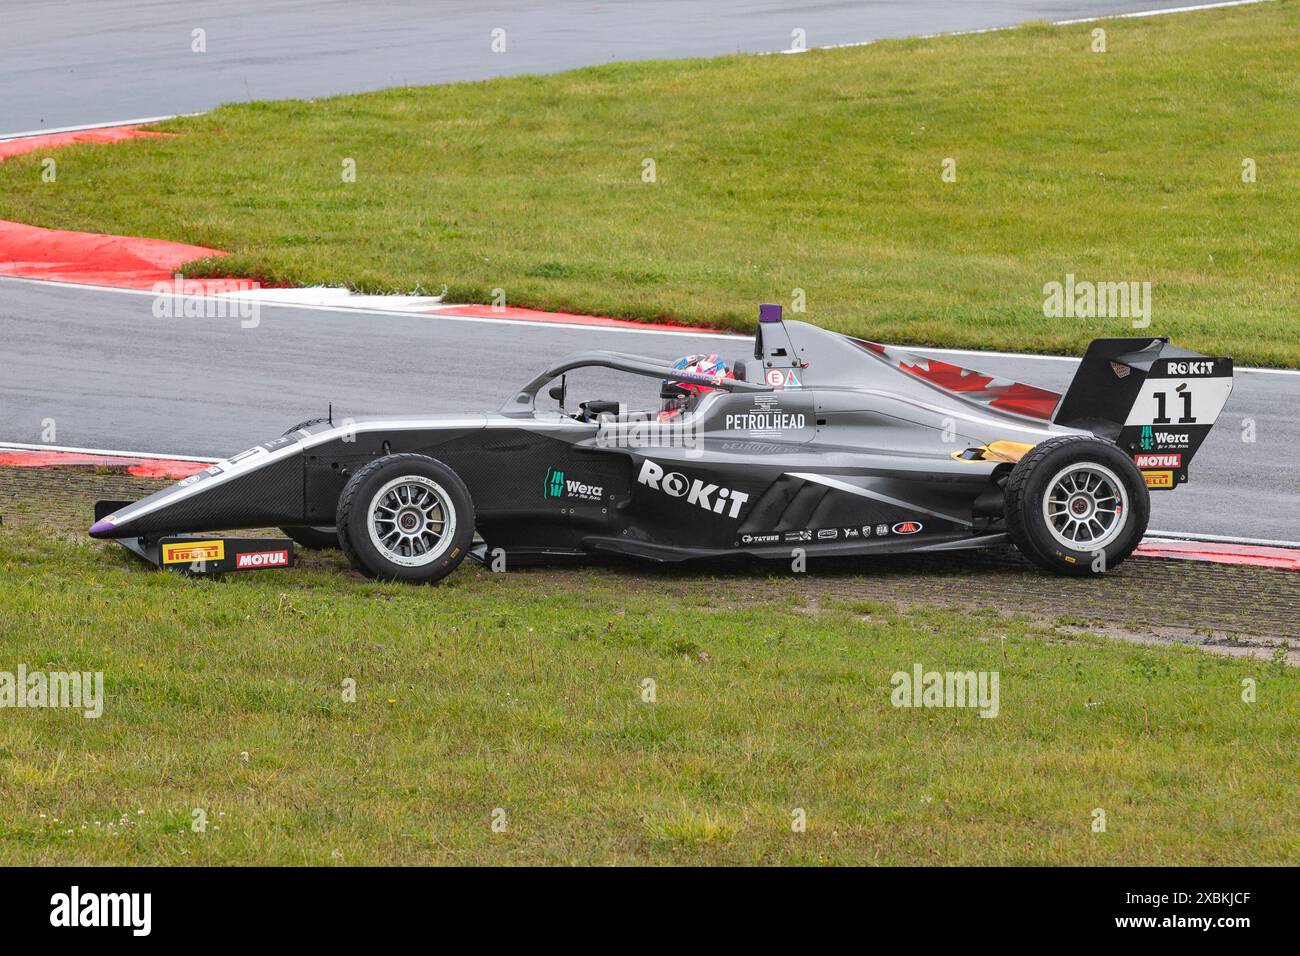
{"x":311,"y":537}
{"x":405,"y":518}
{"x":1076,"y":505}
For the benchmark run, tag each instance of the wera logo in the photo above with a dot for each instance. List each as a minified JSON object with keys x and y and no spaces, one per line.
{"x":103,"y":909}
{"x":557,"y":486}
{"x":709,"y":497}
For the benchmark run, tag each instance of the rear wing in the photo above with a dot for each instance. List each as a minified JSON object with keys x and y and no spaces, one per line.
{"x":1156,"y":401}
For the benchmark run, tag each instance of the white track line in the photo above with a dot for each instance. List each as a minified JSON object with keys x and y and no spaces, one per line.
{"x":88,"y":126}
{"x":1155,"y":536}
{"x":22,"y":446}
{"x":1161,"y":13}
{"x":1013,"y":26}
{"x":582,"y":327}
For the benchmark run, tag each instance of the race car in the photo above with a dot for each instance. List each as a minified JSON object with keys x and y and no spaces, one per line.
{"x":817,"y":444}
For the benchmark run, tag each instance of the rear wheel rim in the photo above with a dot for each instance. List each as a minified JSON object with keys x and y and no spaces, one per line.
{"x":411,"y":521}
{"x":1085,"y":507}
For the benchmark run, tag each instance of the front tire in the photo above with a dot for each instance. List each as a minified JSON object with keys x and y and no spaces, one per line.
{"x":1076,"y":505}
{"x":405,"y":518}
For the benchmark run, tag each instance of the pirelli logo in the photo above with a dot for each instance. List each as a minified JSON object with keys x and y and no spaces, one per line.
{"x":187,"y":552}
{"x":1159,"y":479}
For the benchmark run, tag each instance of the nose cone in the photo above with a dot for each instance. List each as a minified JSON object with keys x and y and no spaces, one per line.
{"x":104,"y":529}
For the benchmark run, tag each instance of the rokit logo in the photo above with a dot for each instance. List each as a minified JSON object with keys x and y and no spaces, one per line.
{"x":696,"y":492}
{"x":262,"y":559}
{"x":1189,"y":368}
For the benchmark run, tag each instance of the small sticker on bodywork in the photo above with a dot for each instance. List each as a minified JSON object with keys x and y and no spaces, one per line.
{"x":186,"y":552}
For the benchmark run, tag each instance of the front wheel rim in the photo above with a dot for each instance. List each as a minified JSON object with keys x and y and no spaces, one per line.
{"x":411,"y":521}
{"x":1085,"y":507}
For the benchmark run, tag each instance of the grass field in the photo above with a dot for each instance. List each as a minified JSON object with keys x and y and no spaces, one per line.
{"x":524,"y":693}
{"x":819,"y":172}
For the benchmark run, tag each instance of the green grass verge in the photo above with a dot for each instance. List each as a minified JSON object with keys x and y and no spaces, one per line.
{"x":820,"y":172}
{"x":524,"y":692}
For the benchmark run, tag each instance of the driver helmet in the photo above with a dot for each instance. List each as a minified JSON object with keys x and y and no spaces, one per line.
{"x":679,"y":396}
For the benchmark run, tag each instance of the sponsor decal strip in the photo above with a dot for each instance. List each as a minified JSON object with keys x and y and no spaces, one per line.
{"x":842,"y":533}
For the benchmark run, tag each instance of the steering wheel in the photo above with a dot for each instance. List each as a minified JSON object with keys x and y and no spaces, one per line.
{"x":592,"y":410}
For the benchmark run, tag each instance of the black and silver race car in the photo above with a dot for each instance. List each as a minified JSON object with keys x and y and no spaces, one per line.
{"x":819,"y":442}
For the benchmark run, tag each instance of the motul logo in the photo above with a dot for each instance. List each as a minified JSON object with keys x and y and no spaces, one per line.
{"x":262,"y":559}
{"x":1158,"y":461}
{"x":907,"y":527}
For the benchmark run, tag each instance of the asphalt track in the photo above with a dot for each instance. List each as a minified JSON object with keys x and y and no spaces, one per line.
{"x":109,"y":374}
{"x":72,"y":62}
